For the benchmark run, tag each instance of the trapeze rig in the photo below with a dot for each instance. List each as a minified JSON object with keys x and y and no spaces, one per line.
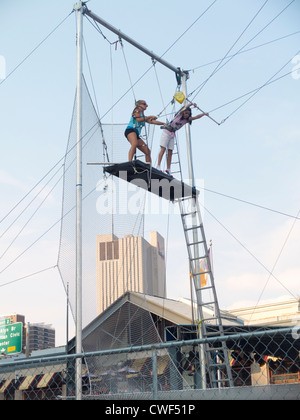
{"x":196,"y":243}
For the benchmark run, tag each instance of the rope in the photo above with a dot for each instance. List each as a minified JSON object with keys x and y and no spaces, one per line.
{"x":219,"y":68}
{"x":128,"y":72}
{"x":91,"y":76}
{"x":39,"y":206}
{"x":157,"y":80}
{"x":216,"y":69}
{"x":29,"y":275}
{"x":242,"y":52}
{"x":255,"y":91}
{"x":30,"y":54}
{"x":198,"y":18}
{"x":251,"y":204}
{"x":29,"y":192}
{"x":249,"y":252}
{"x":274,"y":266}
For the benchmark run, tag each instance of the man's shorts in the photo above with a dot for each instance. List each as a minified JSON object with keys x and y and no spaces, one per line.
{"x":167,"y":140}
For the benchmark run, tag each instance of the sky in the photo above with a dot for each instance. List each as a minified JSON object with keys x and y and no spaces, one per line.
{"x":248,"y":166}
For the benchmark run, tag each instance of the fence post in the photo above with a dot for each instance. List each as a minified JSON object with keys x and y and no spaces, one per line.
{"x":154,"y":374}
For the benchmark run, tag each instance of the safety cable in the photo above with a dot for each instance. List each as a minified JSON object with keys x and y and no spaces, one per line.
{"x":244,"y":51}
{"x":127,"y":67}
{"x":219,"y":65}
{"x":248,"y":251}
{"x":27,"y":276}
{"x":274,"y":266}
{"x":251,"y":204}
{"x":198,"y":18}
{"x":255,"y":91}
{"x":30,"y":54}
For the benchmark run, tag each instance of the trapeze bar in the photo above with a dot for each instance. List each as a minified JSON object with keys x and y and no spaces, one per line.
{"x":151,"y":179}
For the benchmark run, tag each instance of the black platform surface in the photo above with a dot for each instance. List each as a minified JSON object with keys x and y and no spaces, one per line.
{"x":143,"y":175}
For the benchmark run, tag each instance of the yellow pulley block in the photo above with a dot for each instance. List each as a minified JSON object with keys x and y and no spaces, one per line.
{"x":179,"y":96}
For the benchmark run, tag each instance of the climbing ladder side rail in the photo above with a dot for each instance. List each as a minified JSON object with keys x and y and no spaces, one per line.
{"x":194,"y":237}
{"x":178,"y":162}
{"x":193,"y":251}
{"x":202,"y":348}
{"x":209,"y":265}
{"x":191,"y":244}
{"x":224,"y":350}
{"x":219,"y":373}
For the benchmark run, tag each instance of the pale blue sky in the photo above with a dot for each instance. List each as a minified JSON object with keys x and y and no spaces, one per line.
{"x":254,"y":156}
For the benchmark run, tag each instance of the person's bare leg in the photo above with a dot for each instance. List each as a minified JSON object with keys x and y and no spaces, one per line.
{"x":160,"y":156}
{"x":133,"y":140}
{"x":169,"y":158}
{"x":147,"y":152}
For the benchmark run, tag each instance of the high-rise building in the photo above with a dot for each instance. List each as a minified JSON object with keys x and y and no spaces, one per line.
{"x":40,"y":337}
{"x":16,"y":318}
{"x":129,"y":264}
{"x":36,"y":336}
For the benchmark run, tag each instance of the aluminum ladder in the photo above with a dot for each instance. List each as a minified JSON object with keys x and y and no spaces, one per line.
{"x":214,"y":358}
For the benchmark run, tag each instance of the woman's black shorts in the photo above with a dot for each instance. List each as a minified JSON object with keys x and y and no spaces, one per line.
{"x":132,"y":130}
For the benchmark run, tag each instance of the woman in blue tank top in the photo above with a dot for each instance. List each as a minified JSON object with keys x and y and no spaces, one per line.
{"x":134,"y":128}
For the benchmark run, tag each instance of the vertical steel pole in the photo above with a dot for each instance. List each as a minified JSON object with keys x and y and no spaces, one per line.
{"x":195,"y":235}
{"x":188,"y":135}
{"x":79,"y":8}
{"x":154,"y":375}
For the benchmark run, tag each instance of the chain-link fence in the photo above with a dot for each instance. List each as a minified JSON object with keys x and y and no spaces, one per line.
{"x":263,"y":364}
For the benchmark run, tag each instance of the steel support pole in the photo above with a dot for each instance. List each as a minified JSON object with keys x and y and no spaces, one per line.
{"x":78,"y":380}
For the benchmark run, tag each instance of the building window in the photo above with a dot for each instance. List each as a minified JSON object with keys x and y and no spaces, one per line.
{"x":109,"y":251}
{"x":116,"y":250}
{"x":102,"y":251}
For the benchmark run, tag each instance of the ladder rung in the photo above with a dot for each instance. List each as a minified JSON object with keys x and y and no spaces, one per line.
{"x":200,"y":274}
{"x":189,"y":214}
{"x":219,"y":365}
{"x":214,"y":325}
{"x":192,"y":228}
{"x":210,"y":319}
{"x":208,"y":303}
{"x":185,"y":198}
{"x":213,"y":334}
{"x":197,"y":258}
{"x":206,"y":288}
{"x":195,"y":243}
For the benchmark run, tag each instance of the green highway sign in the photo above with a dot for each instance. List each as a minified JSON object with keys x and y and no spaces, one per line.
{"x":4,"y":321}
{"x":11,"y":338}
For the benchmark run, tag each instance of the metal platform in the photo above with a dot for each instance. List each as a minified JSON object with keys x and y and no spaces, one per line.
{"x":151,"y":179}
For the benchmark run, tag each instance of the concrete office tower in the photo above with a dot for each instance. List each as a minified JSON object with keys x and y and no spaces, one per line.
{"x":41,"y":336}
{"x":129,"y":264}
